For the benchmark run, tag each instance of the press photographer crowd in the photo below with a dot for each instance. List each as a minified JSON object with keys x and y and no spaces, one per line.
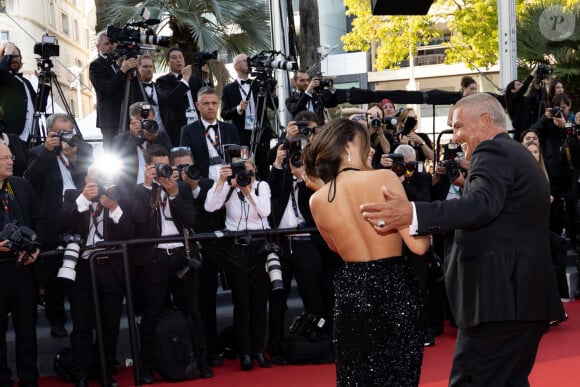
{"x":195,"y":160}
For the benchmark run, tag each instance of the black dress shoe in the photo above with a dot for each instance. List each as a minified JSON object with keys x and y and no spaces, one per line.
{"x":246,"y":363}
{"x":204,"y":369}
{"x":84,"y":382}
{"x":215,"y":360}
{"x":278,"y":359}
{"x":146,"y":376}
{"x":262,"y":360}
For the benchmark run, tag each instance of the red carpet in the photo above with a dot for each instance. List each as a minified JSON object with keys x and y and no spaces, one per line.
{"x":557,"y":365}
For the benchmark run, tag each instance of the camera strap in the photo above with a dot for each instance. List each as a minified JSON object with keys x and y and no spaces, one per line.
{"x":197,"y":258}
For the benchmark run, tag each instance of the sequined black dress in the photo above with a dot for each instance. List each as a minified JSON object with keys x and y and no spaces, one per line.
{"x":377,"y":338}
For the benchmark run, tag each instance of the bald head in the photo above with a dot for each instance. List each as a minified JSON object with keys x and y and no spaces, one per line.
{"x":241,"y":65}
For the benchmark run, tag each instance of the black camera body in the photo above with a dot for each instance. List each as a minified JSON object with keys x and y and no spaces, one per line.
{"x":324,"y":83}
{"x":572,"y":129}
{"x":20,"y":238}
{"x":69,"y":137}
{"x":232,"y":152}
{"x":376,"y":122}
{"x":303,"y":128}
{"x":557,"y":112}
{"x":111,"y":191}
{"x":450,"y":161}
{"x":543,"y":71}
{"x":47,"y":47}
{"x":239,"y":172}
{"x":65,"y":239}
{"x":164,"y":170}
{"x":202,"y":57}
{"x":150,"y":126}
{"x":398,"y":166}
{"x":192,"y":171}
{"x":293,"y":148}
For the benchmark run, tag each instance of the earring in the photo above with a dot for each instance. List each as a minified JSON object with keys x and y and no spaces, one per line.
{"x":348,"y":157}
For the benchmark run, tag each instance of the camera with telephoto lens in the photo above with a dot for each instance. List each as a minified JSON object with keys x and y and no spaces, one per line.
{"x":130,"y":37}
{"x":47,"y":47}
{"x":398,"y":166}
{"x":376,"y":122}
{"x":70,"y":258}
{"x":150,"y":126}
{"x":543,"y":71}
{"x":323,"y":83}
{"x":19,"y":238}
{"x":270,"y":251}
{"x":203,"y":56}
{"x":263,"y":61}
{"x":391,"y":122}
{"x":163,"y":170}
{"x":239,"y":172}
{"x":193,"y":263}
{"x":450,"y":161}
{"x":293,"y":148}
{"x":191,"y":170}
{"x":303,"y":128}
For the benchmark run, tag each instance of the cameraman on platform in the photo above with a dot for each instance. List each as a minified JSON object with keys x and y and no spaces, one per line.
{"x":311,"y":95}
{"x":18,"y":100}
{"x":18,"y":290}
{"x":88,"y":216}
{"x":59,"y":164}
{"x":109,"y":79}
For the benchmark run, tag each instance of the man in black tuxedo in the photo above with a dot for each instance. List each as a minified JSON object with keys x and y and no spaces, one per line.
{"x":18,"y":290}
{"x":146,"y":70}
{"x":164,"y":207}
{"x":499,"y":276}
{"x":310,"y":96}
{"x":55,"y":167}
{"x":18,"y":99}
{"x":212,"y":263}
{"x":179,"y":90}
{"x":207,"y":136}
{"x":241,"y":106}
{"x":130,"y":146}
{"x":109,"y":82}
{"x":95,"y":217}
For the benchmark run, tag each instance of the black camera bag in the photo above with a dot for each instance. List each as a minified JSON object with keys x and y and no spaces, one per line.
{"x":308,"y":342}
{"x":173,"y":355}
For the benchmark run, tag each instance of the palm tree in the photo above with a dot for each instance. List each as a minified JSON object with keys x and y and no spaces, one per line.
{"x":534,"y":47}
{"x":229,"y":26}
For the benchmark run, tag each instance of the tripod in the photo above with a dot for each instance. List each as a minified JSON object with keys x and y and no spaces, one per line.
{"x":264,"y":96}
{"x":46,"y":80}
{"x":130,"y":82}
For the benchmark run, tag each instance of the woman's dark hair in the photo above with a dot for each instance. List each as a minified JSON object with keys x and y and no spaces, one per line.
{"x":531,"y":130}
{"x":323,"y":156}
{"x":306,"y":115}
{"x":561,"y":98}
{"x":552,"y":88}
{"x":508,"y":94}
{"x":466,"y":81}
{"x":372,"y":105}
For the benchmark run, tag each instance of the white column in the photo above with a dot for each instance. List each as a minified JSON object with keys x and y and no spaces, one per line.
{"x":506,"y":15}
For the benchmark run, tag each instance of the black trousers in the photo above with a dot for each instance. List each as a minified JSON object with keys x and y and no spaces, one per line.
{"x":54,"y":291}
{"x":18,"y":295}
{"x":160,"y":280}
{"x":208,"y":284}
{"x":496,"y":354}
{"x":250,"y":287}
{"x":111,"y":290}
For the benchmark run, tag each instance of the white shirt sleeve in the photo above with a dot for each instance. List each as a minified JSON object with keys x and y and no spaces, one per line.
{"x":116,"y":214}
{"x":83,"y":203}
{"x":414,"y":227}
{"x":216,"y":197}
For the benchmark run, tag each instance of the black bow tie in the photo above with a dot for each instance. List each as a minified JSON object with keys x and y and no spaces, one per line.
{"x":214,"y":127}
{"x":179,"y":77}
{"x":148,"y":85}
{"x":246,"y":82}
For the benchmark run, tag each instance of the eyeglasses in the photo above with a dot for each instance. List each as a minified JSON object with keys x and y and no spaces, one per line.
{"x":4,"y":158}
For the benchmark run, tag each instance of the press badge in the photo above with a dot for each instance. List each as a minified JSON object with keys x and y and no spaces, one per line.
{"x":250,"y":120}
{"x":191,"y":115}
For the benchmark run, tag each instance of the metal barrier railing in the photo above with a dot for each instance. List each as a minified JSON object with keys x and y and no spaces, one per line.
{"x":122,"y":248}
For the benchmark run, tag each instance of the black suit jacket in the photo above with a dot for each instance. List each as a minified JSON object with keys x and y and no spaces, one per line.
{"x":74,"y":222}
{"x":173,"y":93}
{"x":499,"y":268}
{"x":298,"y":102}
{"x":109,"y":86}
{"x":148,"y":225}
{"x":280,"y":182}
{"x":26,"y":208}
{"x":231,"y":98}
{"x":418,"y":187}
{"x":46,"y":180}
{"x":14,"y":101}
{"x":125,"y":147}
{"x":193,"y":136}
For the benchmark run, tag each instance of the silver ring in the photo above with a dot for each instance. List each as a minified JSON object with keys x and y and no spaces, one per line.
{"x":381,"y":223}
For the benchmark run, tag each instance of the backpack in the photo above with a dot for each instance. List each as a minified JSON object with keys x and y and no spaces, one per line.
{"x":173,"y":356}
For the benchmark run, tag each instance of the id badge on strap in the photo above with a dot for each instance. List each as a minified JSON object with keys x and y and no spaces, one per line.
{"x":191,"y":115}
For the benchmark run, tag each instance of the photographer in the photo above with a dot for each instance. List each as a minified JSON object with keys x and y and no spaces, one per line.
{"x":18,"y":290}
{"x":381,"y":141}
{"x":407,"y":135}
{"x":521,"y":107}
{"x":88,"y":216}
{"x":131,"y":145}
{"x":18,"y":148}
{"x":162,"y":206}
{"x":108,"y":79}
{"x":247,"y":204}
{"x":59,"y":164}
{"x":179,"y":90}
{"x":18,"y":99}
{"x":311,"y":95}
{"x":560,"y":146}
{"x":146,"y":71}
{"x":188,"y":171}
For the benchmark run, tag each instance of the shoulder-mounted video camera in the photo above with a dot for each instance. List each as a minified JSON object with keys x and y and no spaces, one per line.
{"x":133,"y":35}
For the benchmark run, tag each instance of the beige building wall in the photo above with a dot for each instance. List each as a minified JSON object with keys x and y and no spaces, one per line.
{"x":72,"y":23}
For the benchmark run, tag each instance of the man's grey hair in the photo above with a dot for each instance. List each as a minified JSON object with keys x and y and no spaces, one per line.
{"x":406,"y":150}
{"x":135,"y":109}
{"x":206,"y":91}
{"x":51,"y":120}
{"x":100,"y":36}
{"x":480,"y":103}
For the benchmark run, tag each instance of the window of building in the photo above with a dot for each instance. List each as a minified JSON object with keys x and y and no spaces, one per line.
{"x":76,"y":30}
{"x":2,"y":5}
{"x":65,"y":23}
{"x":4,"y":36}
{"x":87,"y":38}
{"x":72,"y":107}
{"x":51,"y":14}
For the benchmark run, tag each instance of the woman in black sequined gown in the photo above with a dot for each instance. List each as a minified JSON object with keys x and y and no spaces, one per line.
{"x":378,"y":340}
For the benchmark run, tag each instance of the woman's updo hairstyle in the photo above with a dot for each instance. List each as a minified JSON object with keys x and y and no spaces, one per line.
{"x":323,"y":156}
